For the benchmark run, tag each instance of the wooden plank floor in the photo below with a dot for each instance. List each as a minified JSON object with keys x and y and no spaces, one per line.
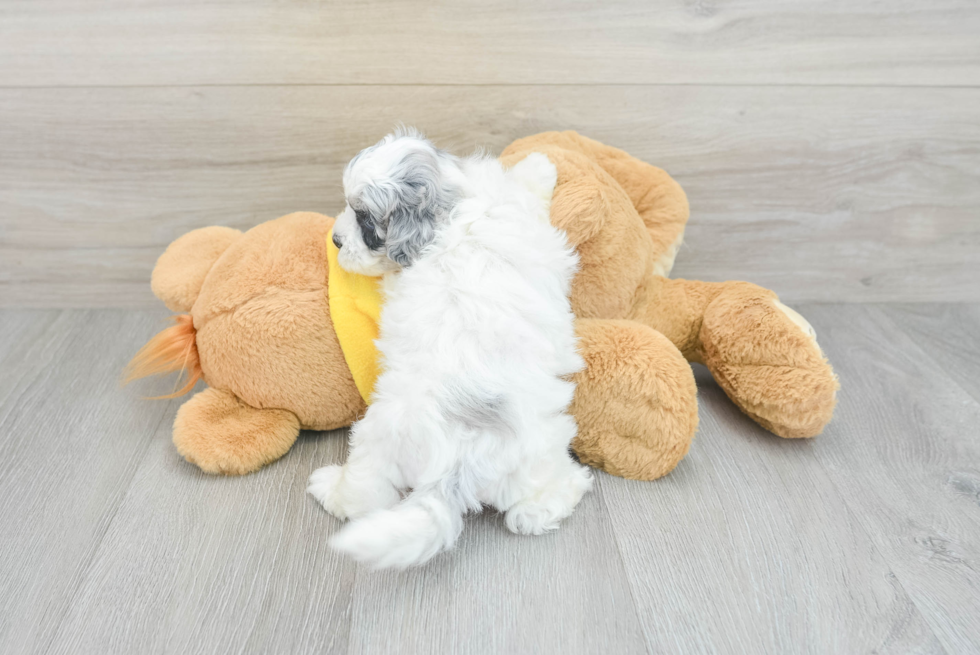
{"x":865,"y":539}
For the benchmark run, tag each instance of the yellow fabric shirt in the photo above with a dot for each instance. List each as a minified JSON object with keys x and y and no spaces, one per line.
{"x":355,"y":307}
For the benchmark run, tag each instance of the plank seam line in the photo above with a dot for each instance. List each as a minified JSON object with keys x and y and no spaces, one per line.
{"x":871,"y":543}
{"x":22,"y":388}
{"x":915,"y":342}
{"x":622,"y":563}
{"x":87,"y":568}
{"x":841,"y":85}
{"x":861,"y":524}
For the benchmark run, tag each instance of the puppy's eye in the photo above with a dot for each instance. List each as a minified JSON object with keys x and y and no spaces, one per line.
{"x":369,"y":231}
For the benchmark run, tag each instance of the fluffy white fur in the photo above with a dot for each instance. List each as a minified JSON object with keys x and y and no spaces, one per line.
{"x":477,"y":343}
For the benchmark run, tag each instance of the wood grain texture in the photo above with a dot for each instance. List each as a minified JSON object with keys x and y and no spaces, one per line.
{"x":70,"y":442}
{"x":820,"y":193}
{"x":161,"y":42}
{"x":904,"y":451}
{"x":564,"y":592}
{"x":209,"y":564}
{"x":864,"y":539}
{"x":197,"y":563}
{"x":949,"y":333}
{"x":18,"y":330}
{"x":748,"y":546}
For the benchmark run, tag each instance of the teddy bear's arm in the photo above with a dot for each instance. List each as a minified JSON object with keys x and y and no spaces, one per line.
{"x":181,"y":269}
{"x":658,"y":199}
{"x":635,"y":403}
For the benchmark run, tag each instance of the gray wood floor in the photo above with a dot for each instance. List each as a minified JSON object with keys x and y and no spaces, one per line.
{"x":865,"y":539}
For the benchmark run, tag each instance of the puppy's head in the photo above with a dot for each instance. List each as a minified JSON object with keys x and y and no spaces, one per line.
{"x":397,"y":191}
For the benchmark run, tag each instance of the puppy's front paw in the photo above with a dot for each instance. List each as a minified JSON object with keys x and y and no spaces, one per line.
{"x":324,"y":486}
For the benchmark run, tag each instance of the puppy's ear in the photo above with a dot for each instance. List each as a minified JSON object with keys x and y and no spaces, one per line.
{"x":422,"y":199}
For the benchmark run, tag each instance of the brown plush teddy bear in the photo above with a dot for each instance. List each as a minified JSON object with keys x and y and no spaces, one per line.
{"x":259,"y":329}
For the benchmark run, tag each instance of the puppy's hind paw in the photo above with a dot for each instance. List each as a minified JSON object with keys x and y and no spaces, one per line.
{"x":534,"y":518}
{"x":543,"y":511}
{"x":323,"y":485}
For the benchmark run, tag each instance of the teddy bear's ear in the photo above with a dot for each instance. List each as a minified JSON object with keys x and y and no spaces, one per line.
{"x":181,"y":269}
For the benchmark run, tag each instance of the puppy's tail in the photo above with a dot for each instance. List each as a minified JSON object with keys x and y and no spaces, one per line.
{"x":414,"y":531}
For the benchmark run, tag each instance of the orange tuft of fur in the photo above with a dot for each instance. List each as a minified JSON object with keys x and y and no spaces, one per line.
{"x":172,"y":349}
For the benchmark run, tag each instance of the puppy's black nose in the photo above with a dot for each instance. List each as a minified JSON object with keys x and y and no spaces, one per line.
{"x":337,"y":242}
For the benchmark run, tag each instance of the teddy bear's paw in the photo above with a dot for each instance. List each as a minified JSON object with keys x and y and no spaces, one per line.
{"x":324,"y":485}
{"x":766,"y":358}
{"x":797,"y":320}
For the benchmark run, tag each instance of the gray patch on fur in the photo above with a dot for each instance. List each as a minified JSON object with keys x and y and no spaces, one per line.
{"x":417,"y":203}
{"x":477,"y":409}
{"x":405,"y":214}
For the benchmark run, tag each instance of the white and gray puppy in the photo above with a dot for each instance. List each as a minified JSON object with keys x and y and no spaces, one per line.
{"x":477,"y":345}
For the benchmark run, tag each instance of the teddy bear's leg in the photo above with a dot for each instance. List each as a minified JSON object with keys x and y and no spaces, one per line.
{"x":762,"y":353}
{"x":766,"y":358}
{"x":221,"y":434}
{"x":636,"y":401}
